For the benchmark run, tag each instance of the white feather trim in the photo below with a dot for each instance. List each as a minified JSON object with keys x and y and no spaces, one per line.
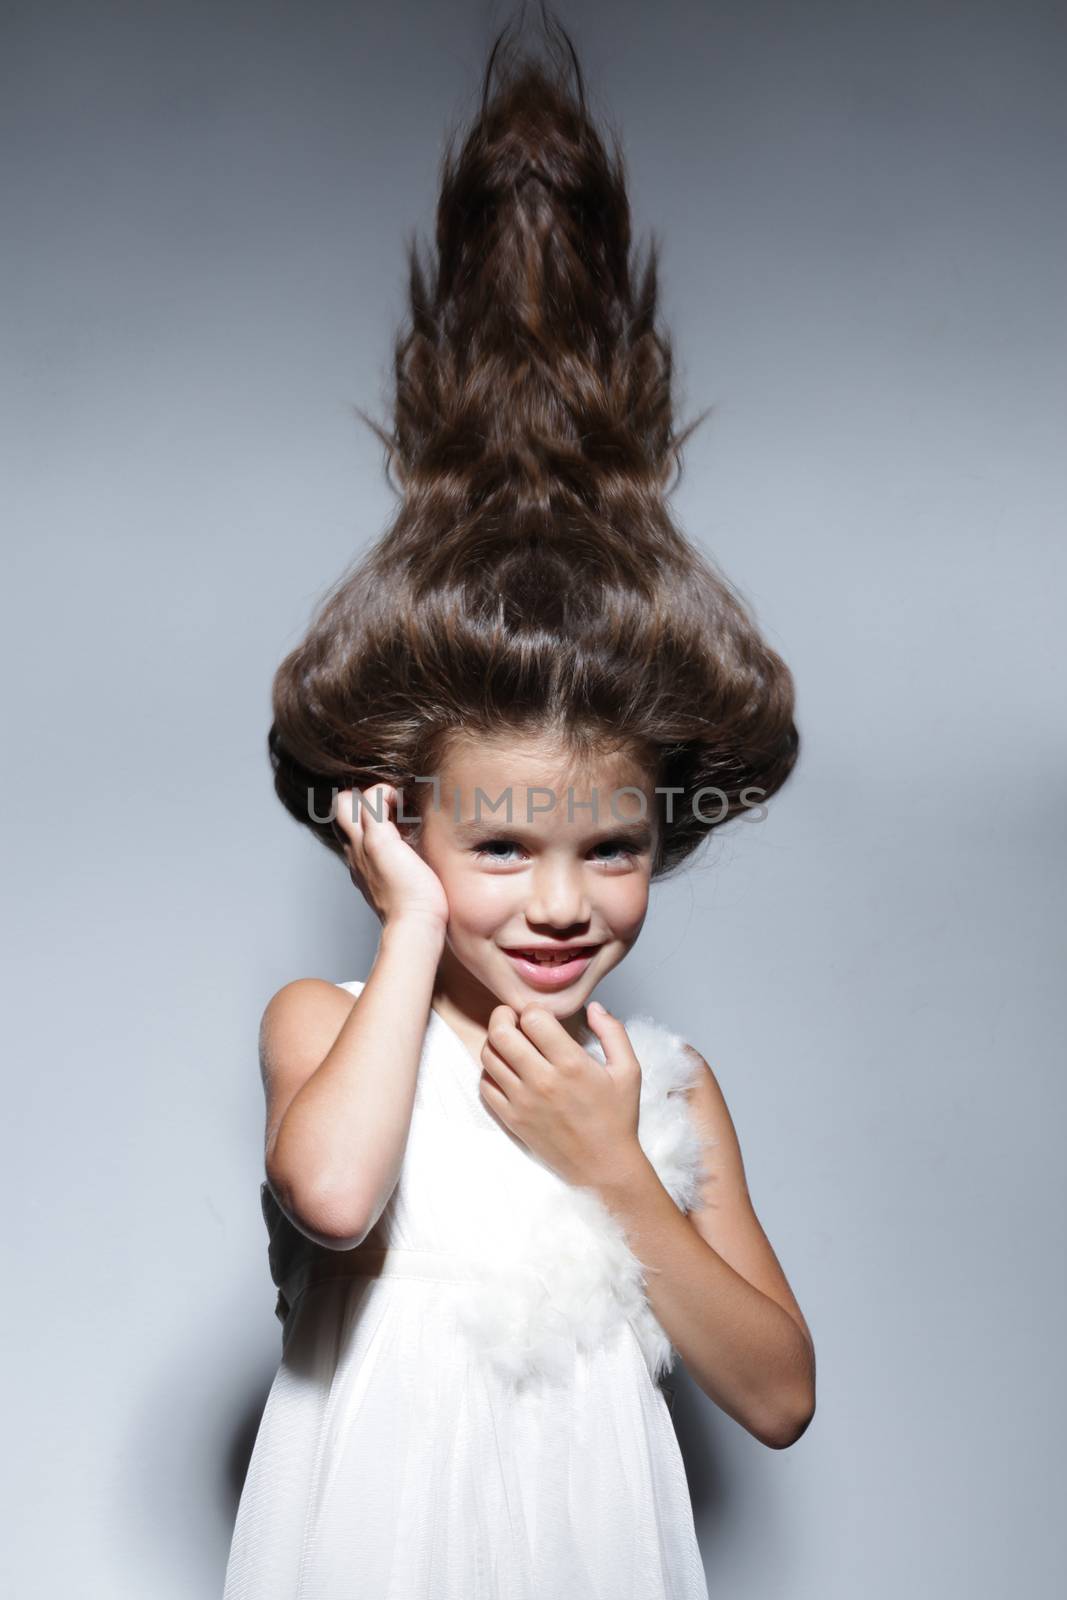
{"x":559,"y":1274}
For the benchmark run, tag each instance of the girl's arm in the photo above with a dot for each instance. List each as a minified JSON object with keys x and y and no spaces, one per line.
{"x":715,"y":1284}
{"x":339,"y":1078}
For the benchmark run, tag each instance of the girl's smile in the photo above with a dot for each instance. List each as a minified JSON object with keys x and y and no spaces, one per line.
{"x":555,"y":970}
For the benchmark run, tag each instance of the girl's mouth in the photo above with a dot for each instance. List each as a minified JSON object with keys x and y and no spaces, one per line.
{"x":545,"y":969}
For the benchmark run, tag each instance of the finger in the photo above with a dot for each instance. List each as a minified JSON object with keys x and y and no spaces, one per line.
{"x":496,"y":1071}
{"x":549,"y":1035}
{"x":618,"y":1051}
{"x":374,"y":808}
{"x":497,"y":1075}
{"x":496,"y":1101}
{"x":382,"y":808}
{"x":507,"y":1044}
{"x":347,"y":815}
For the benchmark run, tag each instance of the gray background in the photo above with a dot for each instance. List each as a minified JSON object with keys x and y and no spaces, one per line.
{"x":862,"y":214}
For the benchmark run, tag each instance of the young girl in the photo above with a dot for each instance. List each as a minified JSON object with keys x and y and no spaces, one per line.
{"x":497,"y":1211}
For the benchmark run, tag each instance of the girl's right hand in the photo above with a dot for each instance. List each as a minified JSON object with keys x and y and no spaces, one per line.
{"x":390,"y":874}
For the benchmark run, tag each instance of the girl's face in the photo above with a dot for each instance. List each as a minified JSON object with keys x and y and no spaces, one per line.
{"x":559,"y":873}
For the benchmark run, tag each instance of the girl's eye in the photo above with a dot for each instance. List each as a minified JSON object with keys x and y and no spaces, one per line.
{"x":619,"y":845}
{"x":621,"y":849}
{"x":490,"y":845}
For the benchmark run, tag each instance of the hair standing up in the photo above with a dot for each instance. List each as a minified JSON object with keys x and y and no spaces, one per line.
{"x":532,"y":579}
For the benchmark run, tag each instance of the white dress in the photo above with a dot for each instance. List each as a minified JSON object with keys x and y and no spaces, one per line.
{"x":468,"y":1406}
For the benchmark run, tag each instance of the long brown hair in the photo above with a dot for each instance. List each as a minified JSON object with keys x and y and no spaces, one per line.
{"x":532,"y":579}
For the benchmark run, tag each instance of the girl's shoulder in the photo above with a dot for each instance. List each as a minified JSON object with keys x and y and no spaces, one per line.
{"x":668,"y":1064}
{"x":298,"y":1028}
{"x":301,"y":1004}
{"x":307,"y":1001}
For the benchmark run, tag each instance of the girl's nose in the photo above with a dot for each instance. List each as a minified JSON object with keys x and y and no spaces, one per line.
{"x":558,"y":897}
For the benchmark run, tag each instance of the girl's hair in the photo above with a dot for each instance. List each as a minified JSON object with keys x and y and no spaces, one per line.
{"x":532,"y":580}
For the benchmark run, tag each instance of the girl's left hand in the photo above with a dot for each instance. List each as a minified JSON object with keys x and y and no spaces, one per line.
{"x":546,"y":1088}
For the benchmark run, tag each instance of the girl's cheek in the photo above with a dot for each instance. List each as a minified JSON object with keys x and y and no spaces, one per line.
{"x":478,"y":899}
{"x":494,"y":896}
{"x":630,"y":907}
